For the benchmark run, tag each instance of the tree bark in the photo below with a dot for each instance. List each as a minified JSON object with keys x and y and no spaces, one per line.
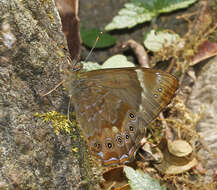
{"x":32,"y":48}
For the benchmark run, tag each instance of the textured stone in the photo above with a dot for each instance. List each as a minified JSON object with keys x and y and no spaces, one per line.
{"x":204,"y":95}
{"x":31,"y":51}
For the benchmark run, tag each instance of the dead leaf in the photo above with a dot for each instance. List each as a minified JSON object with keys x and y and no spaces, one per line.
{"x":172,"y":164}
{"x":115,"y":179}
{"x":179,"y":148}
{"x":206,"y":50}
{"x":68,"y":10}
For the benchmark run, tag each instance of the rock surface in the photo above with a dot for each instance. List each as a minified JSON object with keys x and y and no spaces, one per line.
{"x":204,"y":95}
{"x":31,"y":51}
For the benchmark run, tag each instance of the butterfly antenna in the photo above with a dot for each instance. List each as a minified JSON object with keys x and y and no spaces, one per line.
{"x":94,"y":45}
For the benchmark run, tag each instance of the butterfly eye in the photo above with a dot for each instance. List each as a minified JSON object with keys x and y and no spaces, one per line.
{"x":159,"y":89}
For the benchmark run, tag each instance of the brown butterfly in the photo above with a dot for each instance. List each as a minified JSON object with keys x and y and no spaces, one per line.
{"x":115,"y":106}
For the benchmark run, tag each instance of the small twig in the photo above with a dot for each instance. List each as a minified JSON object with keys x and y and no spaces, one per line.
{"x":186,"y":17}
{"x":171,"y":66}
{"x":137,"y":48}
{"x":168,"y":133}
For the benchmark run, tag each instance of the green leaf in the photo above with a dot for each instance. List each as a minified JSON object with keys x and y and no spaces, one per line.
{"x":159,"y":40}
{"x":138,"y":180}
{"x":162,"y":6}
{"x":139,"y":11}
{"x":89,"y":37}
{"x":174,"y":5}
{"x":130,"y":16}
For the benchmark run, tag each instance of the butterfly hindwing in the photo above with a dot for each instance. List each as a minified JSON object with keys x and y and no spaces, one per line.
{"x":104,"y":101}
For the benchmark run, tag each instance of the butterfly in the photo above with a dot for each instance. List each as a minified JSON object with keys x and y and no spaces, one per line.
{"x":115,"y":106}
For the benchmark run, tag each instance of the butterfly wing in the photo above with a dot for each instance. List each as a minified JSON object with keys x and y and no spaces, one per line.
{"x":114,"y":106}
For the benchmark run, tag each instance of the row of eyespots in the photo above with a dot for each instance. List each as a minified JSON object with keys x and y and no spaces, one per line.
{"x":119,"y":138}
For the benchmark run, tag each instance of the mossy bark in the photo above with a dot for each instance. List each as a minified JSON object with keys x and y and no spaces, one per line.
{"x":32,"y":48}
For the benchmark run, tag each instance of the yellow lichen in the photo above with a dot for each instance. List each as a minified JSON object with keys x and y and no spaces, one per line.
{"x":58,"y":121}
{"x":75,"y":149}
{"x":50,"y":16}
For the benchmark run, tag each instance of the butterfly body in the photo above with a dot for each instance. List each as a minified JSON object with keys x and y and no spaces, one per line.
{"x":115,"y":106}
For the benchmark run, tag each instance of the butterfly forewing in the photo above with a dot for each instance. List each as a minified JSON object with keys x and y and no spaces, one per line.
{"x":158,"y":88}
{"x":114,"y":106}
